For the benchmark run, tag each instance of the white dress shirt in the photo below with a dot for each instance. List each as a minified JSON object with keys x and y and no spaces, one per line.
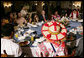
{"x":74,"y":15}
{"x":10,"y":47}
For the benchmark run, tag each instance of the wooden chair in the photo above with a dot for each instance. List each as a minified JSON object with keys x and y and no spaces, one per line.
{"x":4,"y":55}
{"x":72,"y":54}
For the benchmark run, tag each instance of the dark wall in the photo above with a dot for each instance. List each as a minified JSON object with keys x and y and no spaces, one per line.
{"x":2,"y":10}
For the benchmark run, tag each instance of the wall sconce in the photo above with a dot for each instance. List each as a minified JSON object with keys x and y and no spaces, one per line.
{"x":7,"y":4}
{"x":35,"y":3}
{"x":43,"y":3}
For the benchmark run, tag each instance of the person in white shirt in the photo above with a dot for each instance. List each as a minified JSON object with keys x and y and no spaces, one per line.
{"x":43,"y":16}
{"x":7,"y":44}
{"x":74,"y":14}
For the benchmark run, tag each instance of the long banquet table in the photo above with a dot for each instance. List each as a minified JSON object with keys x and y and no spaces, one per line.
{"x":26,"y":49}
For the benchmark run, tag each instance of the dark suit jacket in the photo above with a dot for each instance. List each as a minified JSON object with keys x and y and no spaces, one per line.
{"x":79,"y":50}
{"x":41,"y":18}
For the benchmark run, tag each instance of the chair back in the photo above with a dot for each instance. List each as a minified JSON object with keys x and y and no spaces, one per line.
{"x":5,"y":54}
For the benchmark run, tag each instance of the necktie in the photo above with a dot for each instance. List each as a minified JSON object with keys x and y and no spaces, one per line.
{"x":44,"y":18}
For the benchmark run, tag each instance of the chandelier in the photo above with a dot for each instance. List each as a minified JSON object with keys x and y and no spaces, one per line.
{"x":7,"y":4}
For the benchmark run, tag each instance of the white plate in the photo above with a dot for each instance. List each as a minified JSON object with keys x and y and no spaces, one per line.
{"x":21,"y":38}
{"x":34,"y":25}
{"x":40,"y":39}
{"x":30,"y":31}
{"x":80,"y":20}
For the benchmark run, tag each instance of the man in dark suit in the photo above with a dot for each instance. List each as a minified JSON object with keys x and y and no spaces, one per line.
{"x":43,"y":16}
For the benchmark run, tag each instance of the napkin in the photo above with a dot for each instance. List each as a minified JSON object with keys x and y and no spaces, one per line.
{"x":21,"y":38}
{"x":30,"y":31}
{"x":40,"y":39}
{"x":80,"y":20}
{"x":34,"y":25}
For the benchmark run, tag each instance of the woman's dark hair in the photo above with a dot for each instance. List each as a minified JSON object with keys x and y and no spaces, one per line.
{"x":33,"y":15}
{"x":74,"y":9}
{"x":8,"y":14}
{"x":7,"y":29}
{"x":17,"y":13}
{"x":65,"y":14}
{"x":4,"y":18}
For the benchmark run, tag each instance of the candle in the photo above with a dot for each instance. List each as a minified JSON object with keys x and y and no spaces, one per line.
{"x":33,"y":23}
{"x":16,"y":35}
{"x":32,"y":38}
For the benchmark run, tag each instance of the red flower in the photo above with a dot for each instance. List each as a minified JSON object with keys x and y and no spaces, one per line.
{"x":63,"y":44}
{"x":49,"y":35}
{"x":46,"y":24}
{"x":63,"y":33}
{"x":54,"y":23}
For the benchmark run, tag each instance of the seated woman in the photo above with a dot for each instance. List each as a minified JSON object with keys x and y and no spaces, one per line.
{"x":35,"y":17}
{"x":20,"y":20}
{"x":29,"y":18}
{"x":74,"y":14}
{"x":7,"y":44}
{"x":56,"y":16}
{"x":4,"y":21}
{"x":11,"y":18}
{"x":65,"y":19}
{"x":65,"y":16}
{"x":15,"y":15}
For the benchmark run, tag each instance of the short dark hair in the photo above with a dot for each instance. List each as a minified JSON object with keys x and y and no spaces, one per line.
{"x":74,"y":9}
{"x":7,"y":29}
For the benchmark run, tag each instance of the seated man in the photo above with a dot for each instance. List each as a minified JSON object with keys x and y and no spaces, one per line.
{"x":74,"y":14}
{"x":9,"y":46}
{"x":43,"y":16}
